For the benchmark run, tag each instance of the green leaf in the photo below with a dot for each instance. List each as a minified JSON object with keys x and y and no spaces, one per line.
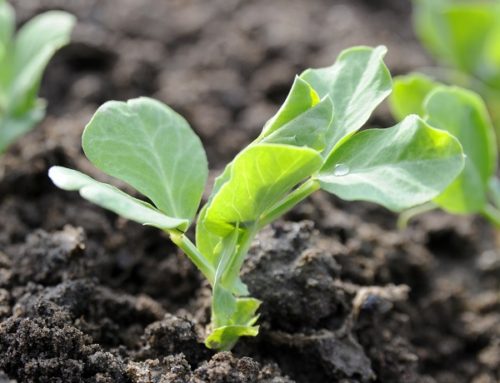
{"x":7,"y":24}
{"x":148,"y":145}
{"x":474,"y":49}
{"x":224,"y":338}
{"x":232,"y":317}
{"x":35,"y":44}
{"x":301,"y":121}
{"x":223,"y":302}
{"x":260,"y":176}
{"x":206,"y":241}
{"x":113,"y":199}
{"x":468,"y":44}
{"x":398,"y":167}
{"x":357,"y":83}
{"x":408,"y":95}
{"x":22,"y":63}
{"x":307,"y":129}
{"x":429,"y":26}
{"x":211,"y":246}
{"x":463,"y":114}
{"x":301,"y":98}
{"x":12,"y":128}
{"x":241,"y":323}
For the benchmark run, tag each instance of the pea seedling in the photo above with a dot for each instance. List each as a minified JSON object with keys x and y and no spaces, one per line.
{"x":23,"y":59}
{"x":311,"y":143}
{"x":462,"y":113}
{"x":464,"y":36}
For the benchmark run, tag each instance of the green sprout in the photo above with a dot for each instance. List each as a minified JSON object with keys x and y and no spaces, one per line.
{"x":462,"y":113}
{"x":23,"y":59}
{"x":464,"y":36}
{"x":311,"y":143}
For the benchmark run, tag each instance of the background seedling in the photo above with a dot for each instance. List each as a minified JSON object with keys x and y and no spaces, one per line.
{"x":462,"y":113}
{"x":464,"y":36}
{"x":311,"y":143}
{"x":23,"y":59}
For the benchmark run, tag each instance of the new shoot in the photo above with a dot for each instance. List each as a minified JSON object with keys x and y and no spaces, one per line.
{"x":311,"y":143}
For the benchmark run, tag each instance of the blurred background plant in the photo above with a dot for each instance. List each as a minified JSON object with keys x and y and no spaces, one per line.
{"x":464,"y":37}
{"x":23,"y":58}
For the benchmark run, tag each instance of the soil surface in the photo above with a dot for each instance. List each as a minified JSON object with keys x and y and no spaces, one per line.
{"x":86,"y":296}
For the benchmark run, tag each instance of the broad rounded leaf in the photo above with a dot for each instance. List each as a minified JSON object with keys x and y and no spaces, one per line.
{"x":148,"y":145}
{"x":260,"y":176}
{"x":409,"y":93}
{"x":113,"y":199}
{"x":357,"y":83}
{"x":463,"y":114}
{"x":398,"y":167}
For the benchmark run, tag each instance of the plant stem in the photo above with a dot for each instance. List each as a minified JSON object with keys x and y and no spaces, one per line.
{"x":236,"y":262}
{"x":287,"y":203}
{"x":185,"y":244}
{"x":405,"y":217}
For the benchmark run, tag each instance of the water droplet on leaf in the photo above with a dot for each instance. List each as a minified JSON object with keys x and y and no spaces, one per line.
{"x":340,"y":170}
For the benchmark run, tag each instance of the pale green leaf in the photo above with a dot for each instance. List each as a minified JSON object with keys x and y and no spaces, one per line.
{"x":260,"y":177}
{"x":223,"y":305}
{"x":241,"y":323}
{"x":468,"y":44}
{"x":223,"y":302}
{"x":12,"y":128}
{"x":398,"y":167}
{"x":148,"y":145}
{"x":301,"y":121}
{"x":206,"y":241}
{"x":307,"y":129}
{"x":430,"y":28}
{"x":409,"y":93}
{"x":224,"y":338}
{"x":113,"y":199}
{"x":357,"y":83}
{"x":35,"y":44}
{"x":6,"y":26}
{"x":300,"y":98}
{"x":463,"y":34}
{"x":463,"y":114}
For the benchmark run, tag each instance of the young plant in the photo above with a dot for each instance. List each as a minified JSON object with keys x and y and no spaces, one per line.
{"x":23,"y":59}
{"x":311,"y":143}
{"x":462,"y":113}
{"x":464,"y":36}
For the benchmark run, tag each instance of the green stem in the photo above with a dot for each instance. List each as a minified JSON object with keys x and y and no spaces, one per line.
{"x":235,"y":264}
{"x":492,"y":214}
{"x":287,"y":203}
{"x":405,"y":217}
{"x":185,"y":244}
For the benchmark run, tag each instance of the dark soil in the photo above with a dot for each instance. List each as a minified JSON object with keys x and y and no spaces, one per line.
{"x":86,"y":296}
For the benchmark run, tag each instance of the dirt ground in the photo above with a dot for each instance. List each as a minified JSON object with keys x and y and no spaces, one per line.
{"x":86,"y":296}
